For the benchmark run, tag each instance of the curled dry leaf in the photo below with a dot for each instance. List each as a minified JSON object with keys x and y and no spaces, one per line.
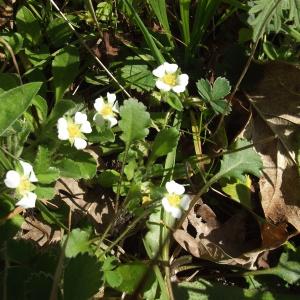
{"x":205,"y":237}
{"x":276,"y":108}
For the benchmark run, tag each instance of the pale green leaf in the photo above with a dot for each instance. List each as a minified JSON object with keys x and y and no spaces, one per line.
{"x":14,"y":102}
{"x":78,"y":242}
{"x":135,"y":121}
{"x":240,"y":162}
{"x":65,"y":68}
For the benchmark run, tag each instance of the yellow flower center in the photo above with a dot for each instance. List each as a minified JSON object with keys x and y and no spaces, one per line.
{"x":106,"y":111}
{"x":24,"y":185}
{"x":174,"y":199}
{"x":74,"y":130}
{"x":170,"y":79}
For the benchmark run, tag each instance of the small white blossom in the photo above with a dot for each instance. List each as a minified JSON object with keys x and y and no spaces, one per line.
{"x":22,"y":182}
{"x":175,"y":201}
{"x":74,"y":130}
{"x":169,"y":79}
{"x":106,"y":110}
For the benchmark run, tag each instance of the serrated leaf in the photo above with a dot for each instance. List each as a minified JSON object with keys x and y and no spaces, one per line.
{"x":215,"y":94}
{"x":138,"y":77}
{"x":240,"y":162}
{"x":45,"y":192}
{"x":78,"y":242}
{"x":77,"y":166}
{"x":135,"y":121}
{"x":14,"y":102}
{"x":65,"y":68}
{"x":221,"y":88}
{"x":164,"y":143}
{"x":263,"y":18}
{"x":44,"y":171}
{"x":82,"y":278}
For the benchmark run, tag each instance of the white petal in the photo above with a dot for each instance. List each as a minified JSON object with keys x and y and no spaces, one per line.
{"x":178,"y":88}
{"x":185,"y":202}
{"x":62,"y":123}
{"x":28,"y":201}
{"x":28,"y":171}
{"x":12,"y":179}
{"x":80,"y":143}
{"x":86,"y":127}
{"x":174,"y":188}
{"x":170,"y":68}
{"x":113,"y":121}
{"x":159,"y":71}
{"x":176,"y":212}
{"x":99,"y":103}
{"x":80,"y":118}
{"x":166,"y":204}
{"x":115,"y":107}
{"x":63,"y":134}
{"x":111,"y":98}
{"x":162,"y":86}
{"x":183,"y":79}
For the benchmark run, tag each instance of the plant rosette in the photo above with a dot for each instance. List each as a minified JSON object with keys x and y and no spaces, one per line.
{"x":21,"y":181}
{"x":73,"y":130}
{"x":175,"y":201}
{"x":170,"y":79}
{"x":106,"y":110}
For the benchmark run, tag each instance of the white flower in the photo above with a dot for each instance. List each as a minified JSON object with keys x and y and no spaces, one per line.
{"x":169,"y":79}
{"x":74,"y":130}
{"x":175,"y":201}
{"x":106,"y":110}
{"x":22,"y":182}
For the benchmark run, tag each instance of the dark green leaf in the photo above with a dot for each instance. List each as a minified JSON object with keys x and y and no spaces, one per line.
{"x":174,"y":101}
{"x":82,"y":278}
{"x":28,"y":25}
{"x":65,"y":67}
{"x":164,"y":143}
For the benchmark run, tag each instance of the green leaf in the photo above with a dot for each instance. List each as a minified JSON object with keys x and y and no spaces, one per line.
{"x":43,"y":169}
{"x":8,"y":81}
{"x":134,"y":122}
{"x":263,"y":18}
{"x":82,"y":278}
{"x":41,"y":107}
{"x":164,"y":143}
{"x":10,"y":228}
{"x":238,"y":190}
{"x":215,"y":94}
{"x":138,"y":76}
{"x":205,"y":290}
{"x":59,"y":110}
{"x":45,"y":192}
{"x":15,"y":40}
{"x":28,"y":26}
{"x":14,"y":102}
{"x":288,"y":267}
{"x":78,"y":242}
{"x":78,"y":165}
{"x":108,"y":178}
{"x":174,"y":101}
{"x":59,"y":32}
{"x":240,"y":162}
{"x":126,"y":277}
{"x":65,"y":68}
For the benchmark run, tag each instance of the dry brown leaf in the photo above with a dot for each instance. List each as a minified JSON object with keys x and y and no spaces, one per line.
{"x":276,"y":103}
{"x":222,"y":243}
